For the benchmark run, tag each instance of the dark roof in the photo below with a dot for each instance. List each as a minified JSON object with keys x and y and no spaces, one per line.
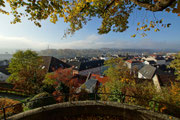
{"x":169,"y":60}
{"x":52,"y":63}
{"x":89,"y":83}
{"x":148,"y":71}
{"x":4,"y":70}
{"x":165,"y":68}
{"x":151,"y":62}
{"x":160,"y":58}
{"x":3,"y":61}
{"x":86,"y":65}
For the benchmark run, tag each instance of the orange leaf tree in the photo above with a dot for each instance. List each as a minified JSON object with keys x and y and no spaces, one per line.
{"x":63,"y":81}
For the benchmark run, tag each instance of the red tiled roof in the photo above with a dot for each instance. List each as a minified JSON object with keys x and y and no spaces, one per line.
{"x":133,"y":61}
{"x":101,"y":79}
{"x":130,"y":61}
{"x":153,"y":55}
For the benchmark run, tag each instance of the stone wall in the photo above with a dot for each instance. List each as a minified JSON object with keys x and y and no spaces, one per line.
{"x":59,"y":111}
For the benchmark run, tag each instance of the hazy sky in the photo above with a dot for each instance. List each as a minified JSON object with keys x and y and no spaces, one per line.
{"x":26,"y":35}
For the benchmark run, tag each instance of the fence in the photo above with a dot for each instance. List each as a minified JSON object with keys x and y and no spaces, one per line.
{"x":122,"y":98}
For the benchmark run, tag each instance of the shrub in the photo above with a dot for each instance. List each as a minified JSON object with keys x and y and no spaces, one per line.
{"x":41,"y":99}
{"x":4,"y":102}
{"x":48,"y":88}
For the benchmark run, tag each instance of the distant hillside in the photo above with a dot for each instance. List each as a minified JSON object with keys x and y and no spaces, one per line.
{"x":69,"y":53}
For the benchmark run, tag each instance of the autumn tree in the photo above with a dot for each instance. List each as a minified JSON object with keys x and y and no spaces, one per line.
{"x":64,"y":83}
{"x":119,"y":79}
{"x":176,"y":65}
{"x":117,"y":70}
{"x":175,"y":87}
{"x":26,"y":71}
{"x":113,"y":13}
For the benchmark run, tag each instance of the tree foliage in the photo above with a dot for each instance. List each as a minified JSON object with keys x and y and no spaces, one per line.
{"x":113,"y":13}
{"x":121,"y":83}
{"x":176,"y":65}
{"x":117,"y":70}
{"x":26,"y":71}
{"x":41,"y":99}
{"x":64,"y":83}
{"x":5,"y":102}
{"x":119,"y":78}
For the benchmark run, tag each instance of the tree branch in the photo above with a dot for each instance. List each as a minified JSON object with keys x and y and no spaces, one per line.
{"x":109,"y":5}
{"x":158,"y":6}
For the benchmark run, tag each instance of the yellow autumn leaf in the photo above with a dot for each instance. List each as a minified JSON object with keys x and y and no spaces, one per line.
{"x":116,"y":3}
{"x":156,"y":30}
{"x":133,"y":35}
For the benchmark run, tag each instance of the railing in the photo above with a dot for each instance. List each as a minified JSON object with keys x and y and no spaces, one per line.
{"x":96,"y":96}
{"x":13,"y":91}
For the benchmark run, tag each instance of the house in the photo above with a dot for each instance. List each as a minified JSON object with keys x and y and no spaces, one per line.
{"x":166,"y":69}
{"x":93,"y":82}
{"x":84,"y":68}
{"x":169,"y":60}
{"x":89,"y":86}
{"x":79,"y":59}
{"x":156,"y":58}
{"x":158,"y":77}
{"x":4,"y":74}
{"x":4,"y":62}
{"x":131,"y":64}
{"x":51,"y":63}
{"x":104,"y":58}
{"x":149,"y":62}
{"x":160,"y":61}
{"x":101,"y":79}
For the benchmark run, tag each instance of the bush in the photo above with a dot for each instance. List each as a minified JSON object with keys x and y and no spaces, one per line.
{"x":4,"y":102}
{"x":48,"y":88}
{"x":41,"y":99}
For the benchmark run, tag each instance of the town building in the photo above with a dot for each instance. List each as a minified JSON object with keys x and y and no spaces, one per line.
{"x":4,"y":74}
{"x":84,"y":68}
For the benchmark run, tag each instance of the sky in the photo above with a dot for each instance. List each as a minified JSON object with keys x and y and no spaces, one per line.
{"x":26,"y":35}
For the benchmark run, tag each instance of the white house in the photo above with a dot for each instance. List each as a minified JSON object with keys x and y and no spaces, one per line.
{"x":158,"y":77}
